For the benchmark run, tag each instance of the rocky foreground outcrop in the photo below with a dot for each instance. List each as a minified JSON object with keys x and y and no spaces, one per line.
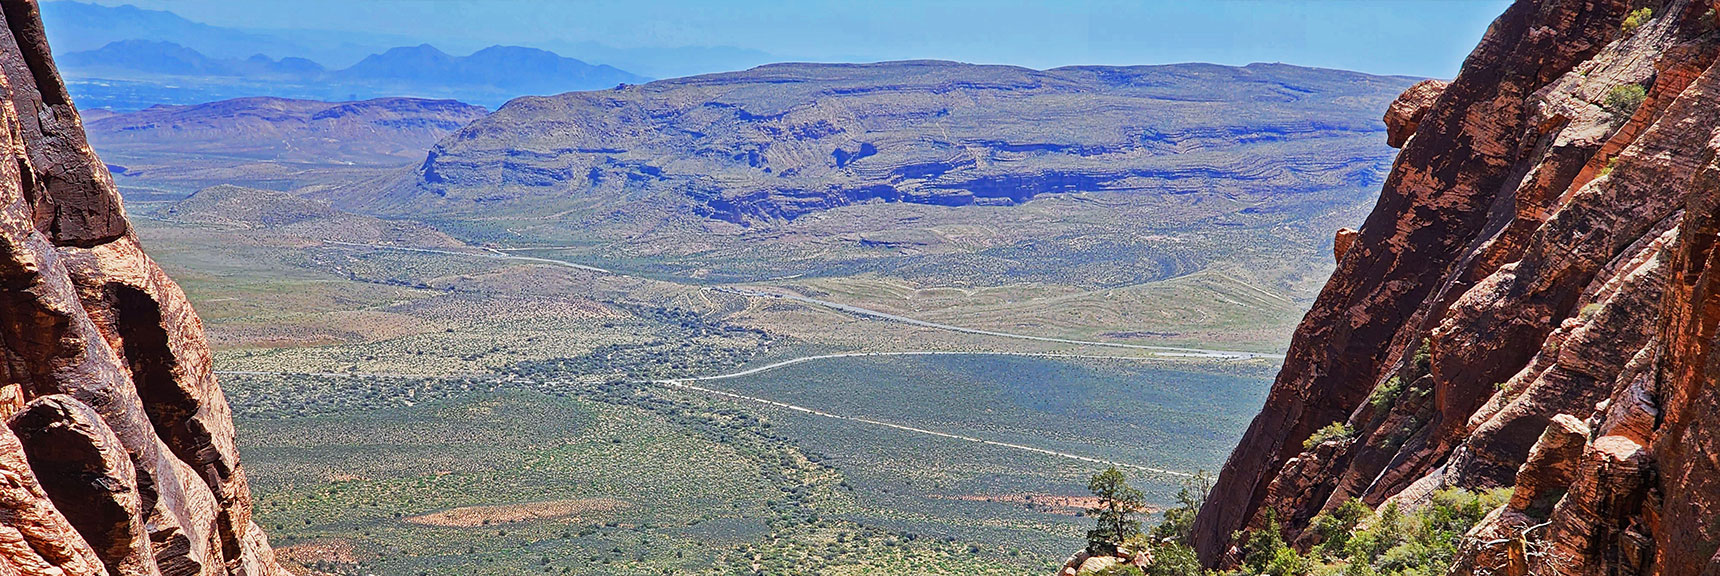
{"x":118,"y":455}
{"x":1532,"y":303}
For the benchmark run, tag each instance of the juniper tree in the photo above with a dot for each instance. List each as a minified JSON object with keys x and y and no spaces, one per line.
{"x":1115,"y":512}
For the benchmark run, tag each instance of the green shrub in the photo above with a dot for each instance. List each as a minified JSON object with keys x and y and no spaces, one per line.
{"x":1334,"y":431}
{"x":1335,"y":528}
{"x":1623,"y":100}
{"x":1455,"y":511}
{"x":1354,"y":540}
{"x":1260,"y":547}
{"x":1387,"y":393}
{"x":1411,"y":556}
{"x":1115,"y":570}
{"x":1382,"y":533}
{"x":1608,"y":168}
{"x":1286,"y":562}
{"x":1397,"y":544}
{"x":1178,"y":525}
{"x":1175,"y":560}
{"x":1636,"y":19}
{"x":1422,"y":361}
{"x":1357,"y":569}
{"x":1420,"y":364}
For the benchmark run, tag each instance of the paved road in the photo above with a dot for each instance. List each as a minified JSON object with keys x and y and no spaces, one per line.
{"x":851,"y":309}
{"x":492,"y":254}
{"x":804,"y":359}
{"x":856,"y":310}
{"x":683,"y":385}
{"x":687,"y":384}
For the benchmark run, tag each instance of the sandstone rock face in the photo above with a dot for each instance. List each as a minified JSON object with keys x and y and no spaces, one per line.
{"x":89,"y":477}
{"x":119,"y":455}
{"x":1547,"y":473}
{"x":35,"y":539}
{"x":1532,"y":303}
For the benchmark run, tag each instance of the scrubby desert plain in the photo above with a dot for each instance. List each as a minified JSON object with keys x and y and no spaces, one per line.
{"x":877,"y":387}
{"x":386,"y":394}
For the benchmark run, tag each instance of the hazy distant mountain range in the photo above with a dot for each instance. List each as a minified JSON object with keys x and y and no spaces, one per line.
{"x":135,"y":74}
{"x":129,"y":58}
{"x":158,"y":57}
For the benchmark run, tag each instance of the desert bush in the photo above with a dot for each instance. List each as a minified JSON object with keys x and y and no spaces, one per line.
{"x":1623,"y":100}
{"x":1357,"y":541}
{"x":1175,"y":560}
{"x":1178,"y":525}
{"x":1336,"y":526}
{"x":1116,"y":570}
{"x":1263,"y":549}
{"x":1334,"y":431}
{"x":1420,"y":364}
{"x":1636,"y":19}
{"x":1387,"y":393}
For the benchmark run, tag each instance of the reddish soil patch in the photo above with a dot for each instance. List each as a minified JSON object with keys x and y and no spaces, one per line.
{"x":299,"y":558}
{"x":471,"y":516}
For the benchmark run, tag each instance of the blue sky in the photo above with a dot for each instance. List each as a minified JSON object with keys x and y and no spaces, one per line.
{"x":1412,"y":37}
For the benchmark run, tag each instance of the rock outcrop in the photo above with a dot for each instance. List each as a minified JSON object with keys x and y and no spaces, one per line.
{"x":118,"y":455}
{"x":1341,"y":243}
{"x":1542,"y":247}
{"x":1405,"y":113}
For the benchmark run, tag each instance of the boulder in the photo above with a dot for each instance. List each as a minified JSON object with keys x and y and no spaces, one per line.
{"x":1406,"y":112}
{"x":1341,"y":243}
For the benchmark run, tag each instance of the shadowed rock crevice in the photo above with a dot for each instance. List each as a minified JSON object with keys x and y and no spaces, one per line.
{"x":151,"y":362}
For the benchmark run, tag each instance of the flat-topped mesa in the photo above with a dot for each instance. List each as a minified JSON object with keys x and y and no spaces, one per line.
{"x":1543,"y":246}
{"x":118,"y":455}
{"x":765,"y":146}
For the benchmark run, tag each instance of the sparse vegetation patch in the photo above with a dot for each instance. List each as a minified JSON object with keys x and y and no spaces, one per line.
{"x":1624,"y":99}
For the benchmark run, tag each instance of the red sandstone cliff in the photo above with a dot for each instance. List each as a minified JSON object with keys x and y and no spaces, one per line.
{"x":1544,"y":246}
{"x":117,"y":456}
